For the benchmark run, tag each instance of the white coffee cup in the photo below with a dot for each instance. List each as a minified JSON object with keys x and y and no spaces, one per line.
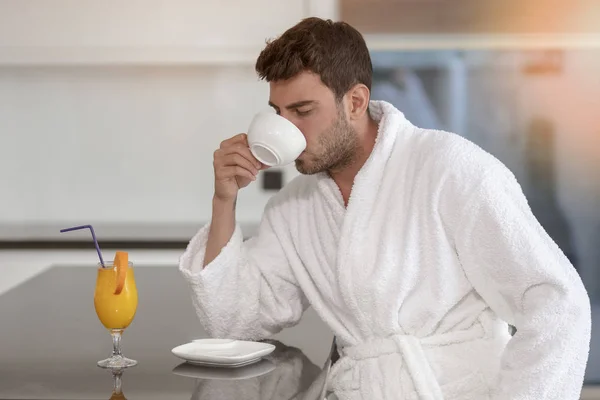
{"x":274,"y":140}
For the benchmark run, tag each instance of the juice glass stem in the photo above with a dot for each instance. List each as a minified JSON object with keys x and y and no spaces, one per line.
{"x":116,"y":339}
{"x":116,"y":361}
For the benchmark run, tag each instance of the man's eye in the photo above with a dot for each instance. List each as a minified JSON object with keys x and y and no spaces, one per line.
{"x":303,"y":112}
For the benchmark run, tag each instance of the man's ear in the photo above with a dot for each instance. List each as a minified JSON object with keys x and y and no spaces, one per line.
{"x":358,"y":101}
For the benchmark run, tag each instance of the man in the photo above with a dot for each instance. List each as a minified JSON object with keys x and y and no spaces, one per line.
{"x":415,"y":246}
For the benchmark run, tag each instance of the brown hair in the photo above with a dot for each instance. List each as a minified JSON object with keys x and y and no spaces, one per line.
{"x":335,"y":51}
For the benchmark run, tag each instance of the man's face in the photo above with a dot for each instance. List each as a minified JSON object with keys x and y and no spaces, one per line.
{"x":331,"y":141}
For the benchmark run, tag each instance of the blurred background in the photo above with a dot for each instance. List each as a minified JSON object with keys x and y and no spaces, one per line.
{"x":110,"y":111}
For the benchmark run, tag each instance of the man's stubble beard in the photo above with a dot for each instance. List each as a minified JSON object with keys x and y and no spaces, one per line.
{"x":338,"y":149}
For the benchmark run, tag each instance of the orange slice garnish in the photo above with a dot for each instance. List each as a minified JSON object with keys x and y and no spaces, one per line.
{"x":122,"y":264}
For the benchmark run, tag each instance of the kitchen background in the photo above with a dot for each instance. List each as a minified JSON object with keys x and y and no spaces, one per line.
{"x":110,"y":112}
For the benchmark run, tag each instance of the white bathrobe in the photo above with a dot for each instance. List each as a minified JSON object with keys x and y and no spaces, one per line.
{"x":417,"y":277}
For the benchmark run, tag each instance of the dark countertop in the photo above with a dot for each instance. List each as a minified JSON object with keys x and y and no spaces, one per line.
{"x":51,"y":339}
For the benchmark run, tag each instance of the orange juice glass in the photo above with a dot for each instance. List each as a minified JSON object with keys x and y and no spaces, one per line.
{"x":115,"y":311}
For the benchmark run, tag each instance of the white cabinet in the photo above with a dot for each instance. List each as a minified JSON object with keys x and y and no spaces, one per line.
{"x":144,"y":31}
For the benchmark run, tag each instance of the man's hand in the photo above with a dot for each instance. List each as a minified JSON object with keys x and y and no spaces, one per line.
{"x":235,"y":167}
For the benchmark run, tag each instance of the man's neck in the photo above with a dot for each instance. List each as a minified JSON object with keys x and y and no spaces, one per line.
{"x":344,"y":178}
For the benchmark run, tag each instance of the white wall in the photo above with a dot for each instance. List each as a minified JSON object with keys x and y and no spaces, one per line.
{"x":110,"y":111}
{"x":120,"y":144}
{"x":157,"y":31}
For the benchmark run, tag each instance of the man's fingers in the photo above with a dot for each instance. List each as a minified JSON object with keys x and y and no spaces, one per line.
{"x":239,"y":138}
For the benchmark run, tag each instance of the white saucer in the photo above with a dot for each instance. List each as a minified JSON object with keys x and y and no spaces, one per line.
{"x":222,"y":352}
{"x":260,"y":368}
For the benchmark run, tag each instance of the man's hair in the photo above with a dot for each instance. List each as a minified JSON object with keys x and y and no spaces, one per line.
{"x":335,"y":51}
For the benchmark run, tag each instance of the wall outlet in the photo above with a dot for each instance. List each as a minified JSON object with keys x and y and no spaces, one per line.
{"x":272,"y":179}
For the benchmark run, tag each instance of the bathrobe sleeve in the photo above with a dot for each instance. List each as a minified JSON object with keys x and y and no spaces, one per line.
{"x":248,"y":291}
{"x":526,"y":279}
